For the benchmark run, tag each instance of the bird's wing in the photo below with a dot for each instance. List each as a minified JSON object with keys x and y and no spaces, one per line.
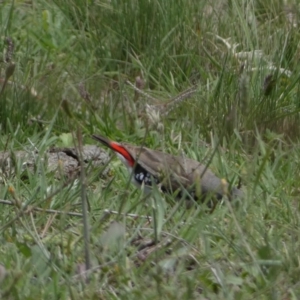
{"x":175,"y":171}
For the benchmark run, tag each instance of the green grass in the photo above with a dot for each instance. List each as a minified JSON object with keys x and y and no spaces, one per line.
{"x":245,"y":250}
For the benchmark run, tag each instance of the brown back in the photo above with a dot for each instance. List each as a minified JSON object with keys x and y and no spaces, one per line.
{"x":176,"y":171}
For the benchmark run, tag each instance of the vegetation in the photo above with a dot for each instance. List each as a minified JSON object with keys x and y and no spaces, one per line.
{"x":73,"y":68}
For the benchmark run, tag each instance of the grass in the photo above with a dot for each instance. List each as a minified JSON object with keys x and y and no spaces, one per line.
{"x":67,"y":69}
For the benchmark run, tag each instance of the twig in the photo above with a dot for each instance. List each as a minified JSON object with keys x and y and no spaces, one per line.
{"x":113,"y":212}
{"x":75,"y":214}
{"x":166,"y":107}
{"x":50,"y":211}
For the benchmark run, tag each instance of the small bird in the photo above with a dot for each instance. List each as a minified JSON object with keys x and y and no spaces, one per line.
{"x":173,"y":174}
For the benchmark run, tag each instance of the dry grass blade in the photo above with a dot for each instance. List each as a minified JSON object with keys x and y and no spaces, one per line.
{"x":140,"y":91}
{"x":172,"y":103}
{"x":10,"y":69}
{"x":9,"y":50}
{"x":85,"y":95}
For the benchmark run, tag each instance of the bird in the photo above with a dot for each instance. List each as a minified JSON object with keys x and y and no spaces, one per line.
{"x":176,"y":175}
